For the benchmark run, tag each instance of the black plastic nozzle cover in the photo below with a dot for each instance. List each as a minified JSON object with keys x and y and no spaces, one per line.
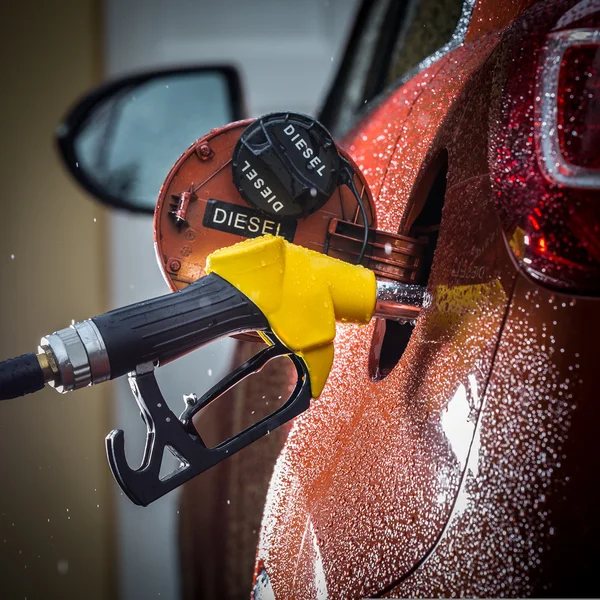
{"x":164,"y":328}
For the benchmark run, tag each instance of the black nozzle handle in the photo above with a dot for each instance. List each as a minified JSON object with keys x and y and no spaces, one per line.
{"x":169,"y":326}
{"x":19,"y":376}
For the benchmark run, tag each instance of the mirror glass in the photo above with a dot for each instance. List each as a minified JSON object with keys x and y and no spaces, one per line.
{"x":130,"y":139}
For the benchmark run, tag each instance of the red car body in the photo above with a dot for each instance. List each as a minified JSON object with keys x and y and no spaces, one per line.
{"x":471,"y":467}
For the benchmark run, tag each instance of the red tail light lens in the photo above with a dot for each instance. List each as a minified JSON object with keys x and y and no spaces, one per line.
{"x":546,"y":169}
{"x":568,"y":109}
{"x":578,"y":120}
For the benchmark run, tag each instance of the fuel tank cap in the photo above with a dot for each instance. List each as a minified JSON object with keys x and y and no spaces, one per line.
{"x":286,"y":165}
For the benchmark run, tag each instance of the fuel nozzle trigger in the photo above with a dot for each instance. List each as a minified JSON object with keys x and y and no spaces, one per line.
{"x":164,"y":430}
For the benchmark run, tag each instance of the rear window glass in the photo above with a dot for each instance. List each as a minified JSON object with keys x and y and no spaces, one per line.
{"x":427,"y":27}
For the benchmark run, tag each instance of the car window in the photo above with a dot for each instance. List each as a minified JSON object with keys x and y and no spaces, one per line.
{"x":388,"y":40}
{"x":428,"y":26}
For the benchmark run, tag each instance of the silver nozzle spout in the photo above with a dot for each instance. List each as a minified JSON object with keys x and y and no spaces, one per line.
{"x":400,"y":301}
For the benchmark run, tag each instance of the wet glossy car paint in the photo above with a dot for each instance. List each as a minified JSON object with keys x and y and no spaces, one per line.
{"x":469,"y":469}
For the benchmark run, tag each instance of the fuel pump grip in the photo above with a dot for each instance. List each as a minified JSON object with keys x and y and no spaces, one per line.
{"x":290,"y":295}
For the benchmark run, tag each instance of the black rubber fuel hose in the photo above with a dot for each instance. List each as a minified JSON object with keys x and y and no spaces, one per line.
{"x":19,"y":376}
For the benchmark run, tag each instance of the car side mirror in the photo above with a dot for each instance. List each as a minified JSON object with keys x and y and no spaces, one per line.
{"x":122,"y":138}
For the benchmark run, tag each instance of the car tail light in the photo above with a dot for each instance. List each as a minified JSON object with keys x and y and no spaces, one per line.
{"x":547,"y":172}
{"x":579,"y":109}
{"x":568,"y":109}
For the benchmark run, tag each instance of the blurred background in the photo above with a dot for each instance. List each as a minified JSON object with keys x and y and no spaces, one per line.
{"x":66,"y":531}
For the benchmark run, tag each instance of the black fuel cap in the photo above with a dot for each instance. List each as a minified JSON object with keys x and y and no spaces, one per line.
{"x":286,"y":165}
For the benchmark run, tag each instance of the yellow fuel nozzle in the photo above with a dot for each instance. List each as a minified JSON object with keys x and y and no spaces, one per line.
{"x":301,"y":292}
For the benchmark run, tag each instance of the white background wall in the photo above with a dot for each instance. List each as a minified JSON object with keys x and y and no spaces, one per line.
{"x":286,"y":51}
